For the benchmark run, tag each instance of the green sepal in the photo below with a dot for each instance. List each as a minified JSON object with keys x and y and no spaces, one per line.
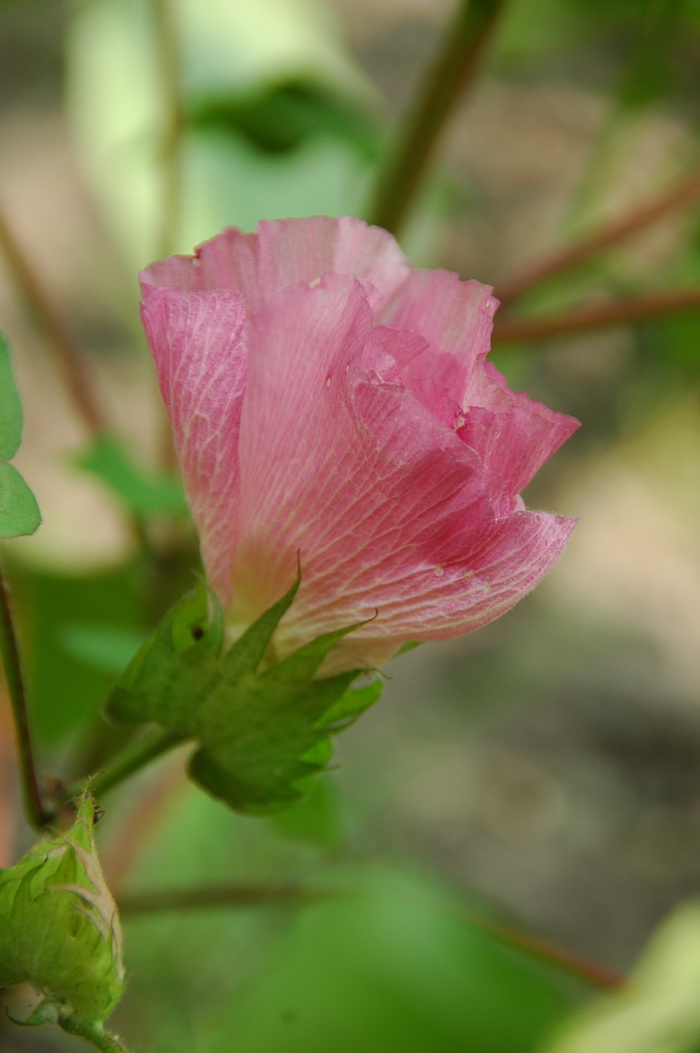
{"x":59,"y":927}
{"x":262,"y":729}
{"x":173,"y":667}
{"x":142,"y":493}
{"x":19,"y":512}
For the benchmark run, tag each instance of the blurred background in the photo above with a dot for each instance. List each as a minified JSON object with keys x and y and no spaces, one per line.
{"x":542,"y":774}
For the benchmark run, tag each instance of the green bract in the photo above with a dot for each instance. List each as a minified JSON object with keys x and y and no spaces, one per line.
{"x":262,"y":728}
{"x":59,"y":928}
{"x":19,"y":512}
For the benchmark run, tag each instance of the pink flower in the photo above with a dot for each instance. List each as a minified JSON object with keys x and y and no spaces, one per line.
{"x":329,"y":400}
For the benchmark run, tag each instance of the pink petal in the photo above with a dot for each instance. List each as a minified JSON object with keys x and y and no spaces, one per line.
{"x":455,"y":318}
{"x":513,"y":434}
{"x":198,"y":346}
{"x":390,"y":511}
{"x":285,"y":252}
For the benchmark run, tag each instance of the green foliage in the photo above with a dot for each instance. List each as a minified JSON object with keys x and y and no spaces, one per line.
{"x":262,"y":727}
{"x":19,"y":512}
{"x":80,"y":630}
{"x":279,"y":117}
{"x":142,"y":494}
{"x":59,"y":928}
{"x":392,"y":963}
{"x":659,"y":1011}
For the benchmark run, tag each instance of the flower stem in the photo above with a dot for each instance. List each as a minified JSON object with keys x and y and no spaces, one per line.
{"x":37,"y":815}
{"x":169,"y":64}
{"x":92,"y":1032}
{"x":223,"y":896}
{"x":453,"y":71}
{"x":579,"y":965}
{"x":680,"y":193}
{"x":130,"y":760}
{"x":597,"y":316}
{"x":60,"y":342}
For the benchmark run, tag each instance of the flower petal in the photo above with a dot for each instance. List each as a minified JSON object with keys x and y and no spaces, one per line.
{"x":455,"y":318}
{"x":513,"y":434}
{"x":391,"y":512}
{"x":285,"y":252}
{"x":198,"y":345}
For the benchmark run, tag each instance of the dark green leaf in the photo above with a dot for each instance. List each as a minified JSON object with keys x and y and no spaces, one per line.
{"x":281,"y":117}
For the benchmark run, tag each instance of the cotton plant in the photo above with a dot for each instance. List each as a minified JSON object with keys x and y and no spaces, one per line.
{"x":353,"y":464}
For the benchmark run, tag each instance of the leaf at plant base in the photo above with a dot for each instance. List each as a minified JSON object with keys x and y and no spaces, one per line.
{"x":261,"y":729}
{"x":141,"y":493}
{"x":659,"y":1011}
{"x":19,"y":512}
{"x":59,"y":927}
{"x":10,"y":406}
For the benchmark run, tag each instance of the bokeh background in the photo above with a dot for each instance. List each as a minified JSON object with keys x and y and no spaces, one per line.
{"x":542,"y":774}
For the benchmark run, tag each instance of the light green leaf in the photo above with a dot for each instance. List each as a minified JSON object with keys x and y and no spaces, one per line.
{"x":142,"y":493}
{"x":59,"y":928}
{"x":10,"y":406}
{"x":659,"y":1011}
{"x":262,"y":728}
{"x":19,"y":512}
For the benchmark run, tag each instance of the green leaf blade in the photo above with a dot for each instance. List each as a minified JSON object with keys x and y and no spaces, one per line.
{"x":11,"y":418}
{"x":19,"y":511}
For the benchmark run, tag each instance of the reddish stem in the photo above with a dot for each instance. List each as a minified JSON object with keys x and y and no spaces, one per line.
{"x":582,"y":966}
{"x":65,"y":352}
{"x":596,"y":316}
{"x":679,"y":193}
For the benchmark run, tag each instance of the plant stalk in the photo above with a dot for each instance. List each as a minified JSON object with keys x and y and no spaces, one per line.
{"x":125,"y":764}
{"x":224,"y":896}
{"x":596,"y":316}
{"x":680,"y":193}
{"x":37,"y":815}
{"x":169,"y":63}
{"x":92,"y":1032}
{"x":452,"y":73}
{"x":60,"y":342}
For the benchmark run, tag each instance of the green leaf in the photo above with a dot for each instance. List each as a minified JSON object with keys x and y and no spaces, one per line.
{"x":10,"y":406}
{"x":262,"y":728}
{"x":19,"y":512}
{"x":59,"y":928}
{"x":142,"y":493}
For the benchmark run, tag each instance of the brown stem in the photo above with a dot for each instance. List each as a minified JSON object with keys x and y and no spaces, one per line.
{"x":66,"y":354}
{"x":596,"y":316}
{"x":679,"y":193}
{"x":37,"y":814}
{"x":453,"y":72}
{"x":577,"y":964}
{"x":223,"y":896}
